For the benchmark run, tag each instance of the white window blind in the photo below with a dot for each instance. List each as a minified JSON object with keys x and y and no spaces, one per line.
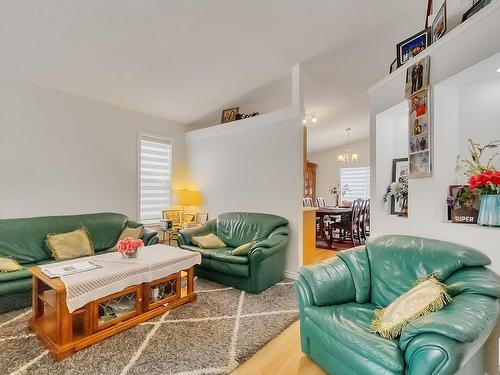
{"x":357,"y":180}
{"x":155,"y":177}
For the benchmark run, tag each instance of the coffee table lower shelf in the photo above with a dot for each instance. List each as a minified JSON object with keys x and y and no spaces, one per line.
{"x":64,"y":333}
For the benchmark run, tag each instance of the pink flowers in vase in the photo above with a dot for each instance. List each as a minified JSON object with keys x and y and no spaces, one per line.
{"x":128,"y":247}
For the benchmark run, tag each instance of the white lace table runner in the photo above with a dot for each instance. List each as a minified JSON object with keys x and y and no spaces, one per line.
{"x":117,"y":273}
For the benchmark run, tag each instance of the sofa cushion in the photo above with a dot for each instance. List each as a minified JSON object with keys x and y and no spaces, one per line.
{"x":209,"y":241}
{"x":9,"y":265}
{"x":24,"y":239}
{"x":238,"y":228}
{"x":349,"y":325}
{"x":15,"y":275}
{"x":407,"y":258}
{"x":15,"y":286}
{"x":223,"y":254}
{"x":135,"y":233}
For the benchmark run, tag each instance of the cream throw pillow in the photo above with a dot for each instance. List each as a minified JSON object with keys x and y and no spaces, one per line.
{"x":70,"y":245}
{"x":426,"y":296}
{"x":9,"y":265}
{"x":135,"y":233}
{"x":242,"y":249}
{"x":210,"y":241}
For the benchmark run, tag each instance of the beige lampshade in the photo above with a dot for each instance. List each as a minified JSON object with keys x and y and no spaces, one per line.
{"x":187,"y":198}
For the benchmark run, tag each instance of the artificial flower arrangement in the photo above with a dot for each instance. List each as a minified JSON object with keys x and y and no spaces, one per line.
{"x":399,"y":191}
{"x":484,"y":182}
{"x":337,"y":190}
{"x":129,"y":246}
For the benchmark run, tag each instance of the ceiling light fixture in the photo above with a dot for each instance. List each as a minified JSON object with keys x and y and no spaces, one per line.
{"x":348,"y":158}
{"x":310,"y":118}
{"x":498,"y":70}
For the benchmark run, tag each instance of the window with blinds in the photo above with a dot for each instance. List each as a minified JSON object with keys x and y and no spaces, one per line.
{"x":357,"y":181}
{"x":154,"y":177}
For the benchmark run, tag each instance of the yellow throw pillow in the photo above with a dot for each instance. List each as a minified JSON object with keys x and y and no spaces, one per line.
{"x":135,"y":233}
{"x":210,"y":241}
{"x":70,"y":245}
{"x":9,"y":265}
{"x":426,"y":296}
{"x":242,"y":249}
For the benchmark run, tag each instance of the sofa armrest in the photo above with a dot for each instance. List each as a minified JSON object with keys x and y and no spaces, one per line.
{"x":467,"y":318}
{"x":149,"y":236}
{"x":432,"y":353}
{"x":186,"y":234}
{"x":330,"y":282}
{"x":303,"y":293}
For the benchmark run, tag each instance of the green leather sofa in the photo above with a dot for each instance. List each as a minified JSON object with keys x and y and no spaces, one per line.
{"x":337,"y":298}
{"x":24,"y":240}
{"x":265,"y":264}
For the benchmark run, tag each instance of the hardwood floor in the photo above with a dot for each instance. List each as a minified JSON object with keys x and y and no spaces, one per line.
{"x":281,"y":356}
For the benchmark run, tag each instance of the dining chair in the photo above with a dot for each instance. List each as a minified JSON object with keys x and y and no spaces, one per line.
{"x":307,"y":202}
{"x":321,"y":202}
{"x":201,"y":217}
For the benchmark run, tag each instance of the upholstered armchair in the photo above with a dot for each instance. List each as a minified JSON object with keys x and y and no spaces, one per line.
{"x":337,"y":299}
{"x":264,"y":265}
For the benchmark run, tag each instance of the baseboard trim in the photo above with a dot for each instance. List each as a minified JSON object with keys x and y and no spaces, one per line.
{"x":292,"y":275}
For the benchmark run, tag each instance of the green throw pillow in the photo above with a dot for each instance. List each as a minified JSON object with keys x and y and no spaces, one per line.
{"x":426,"y":296}
{"x":242,"y":249}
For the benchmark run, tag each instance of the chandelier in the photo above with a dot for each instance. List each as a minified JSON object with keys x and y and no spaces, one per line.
{"x":348,"y":158}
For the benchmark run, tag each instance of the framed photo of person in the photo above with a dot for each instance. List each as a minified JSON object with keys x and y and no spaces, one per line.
{"x":417,"y":77}
{"x":400,"y":168}
{"x":229,"y":115}
{"x":439,"y":24}
{"x":411,"y":47}
{"x":419,"y":135}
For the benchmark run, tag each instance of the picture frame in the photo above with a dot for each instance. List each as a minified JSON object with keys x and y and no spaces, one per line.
{"x":439,"y":24}
{"x":462,"y":213}
{"x":400,"y":167}
{"x":229,"y":115}
{"x":417,"y":77}
{"x":393,"y":66}
{"x":411,"y":47}
{"x":475,"y":8}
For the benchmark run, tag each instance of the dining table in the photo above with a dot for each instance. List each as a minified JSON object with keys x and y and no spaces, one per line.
{"x":321,"y":212}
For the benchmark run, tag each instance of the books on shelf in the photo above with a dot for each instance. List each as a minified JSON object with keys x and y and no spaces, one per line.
{"x":69,"y":269}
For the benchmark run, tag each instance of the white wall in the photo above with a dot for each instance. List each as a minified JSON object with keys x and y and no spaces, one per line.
{"x":457,"y":51}
{"x":62,"y":154}
{"x":252,"y":165}
{"x":328,"y":170}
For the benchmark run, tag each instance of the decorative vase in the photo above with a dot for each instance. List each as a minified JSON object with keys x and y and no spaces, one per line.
{"x":489,"y":212}
{"x":131,"y":255}
{"x":404,"y":207}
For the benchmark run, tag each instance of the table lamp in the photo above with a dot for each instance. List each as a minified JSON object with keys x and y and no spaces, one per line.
{"x":186,"y":198}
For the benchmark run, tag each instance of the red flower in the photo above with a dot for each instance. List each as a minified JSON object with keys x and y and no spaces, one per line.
{"x":128,"y":245}
{"x":484,"y":178}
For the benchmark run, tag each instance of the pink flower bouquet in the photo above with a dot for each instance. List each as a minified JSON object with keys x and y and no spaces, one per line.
{"x":128,"y":247}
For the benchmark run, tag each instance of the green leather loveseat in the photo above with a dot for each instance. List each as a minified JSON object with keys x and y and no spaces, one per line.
{"x":337,"y":299}
{"x":263,"y":267}
{"x":24,"y":241}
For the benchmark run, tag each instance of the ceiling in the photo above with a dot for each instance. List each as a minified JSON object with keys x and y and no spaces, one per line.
{"x":180,"y":59}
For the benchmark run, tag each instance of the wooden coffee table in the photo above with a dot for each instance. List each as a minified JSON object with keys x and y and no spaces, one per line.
{"x":64,"y":333}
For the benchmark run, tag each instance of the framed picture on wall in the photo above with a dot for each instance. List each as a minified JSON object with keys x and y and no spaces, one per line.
{"x":400,"y":167}
{"x":439,"y":24}
{"x":229,"y":115}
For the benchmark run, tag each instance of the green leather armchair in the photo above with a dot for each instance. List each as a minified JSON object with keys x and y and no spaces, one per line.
{"x":337,"y":299}
{"x":24,"y":240}
{"x":263,"y":267}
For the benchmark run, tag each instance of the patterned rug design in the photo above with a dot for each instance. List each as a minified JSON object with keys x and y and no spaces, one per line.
{"x":213,"y":335}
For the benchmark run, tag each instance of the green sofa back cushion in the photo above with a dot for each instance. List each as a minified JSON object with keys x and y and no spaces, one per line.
{"x":238,"y":228}
{"x":397,"y":261}
{"x":24,"y":239}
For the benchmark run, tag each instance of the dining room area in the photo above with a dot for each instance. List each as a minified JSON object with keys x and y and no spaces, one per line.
{"x":336,"y":201}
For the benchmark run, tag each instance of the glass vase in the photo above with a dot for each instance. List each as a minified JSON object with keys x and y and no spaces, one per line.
{"x":489,"y":212}
{"x":131,"y":255}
